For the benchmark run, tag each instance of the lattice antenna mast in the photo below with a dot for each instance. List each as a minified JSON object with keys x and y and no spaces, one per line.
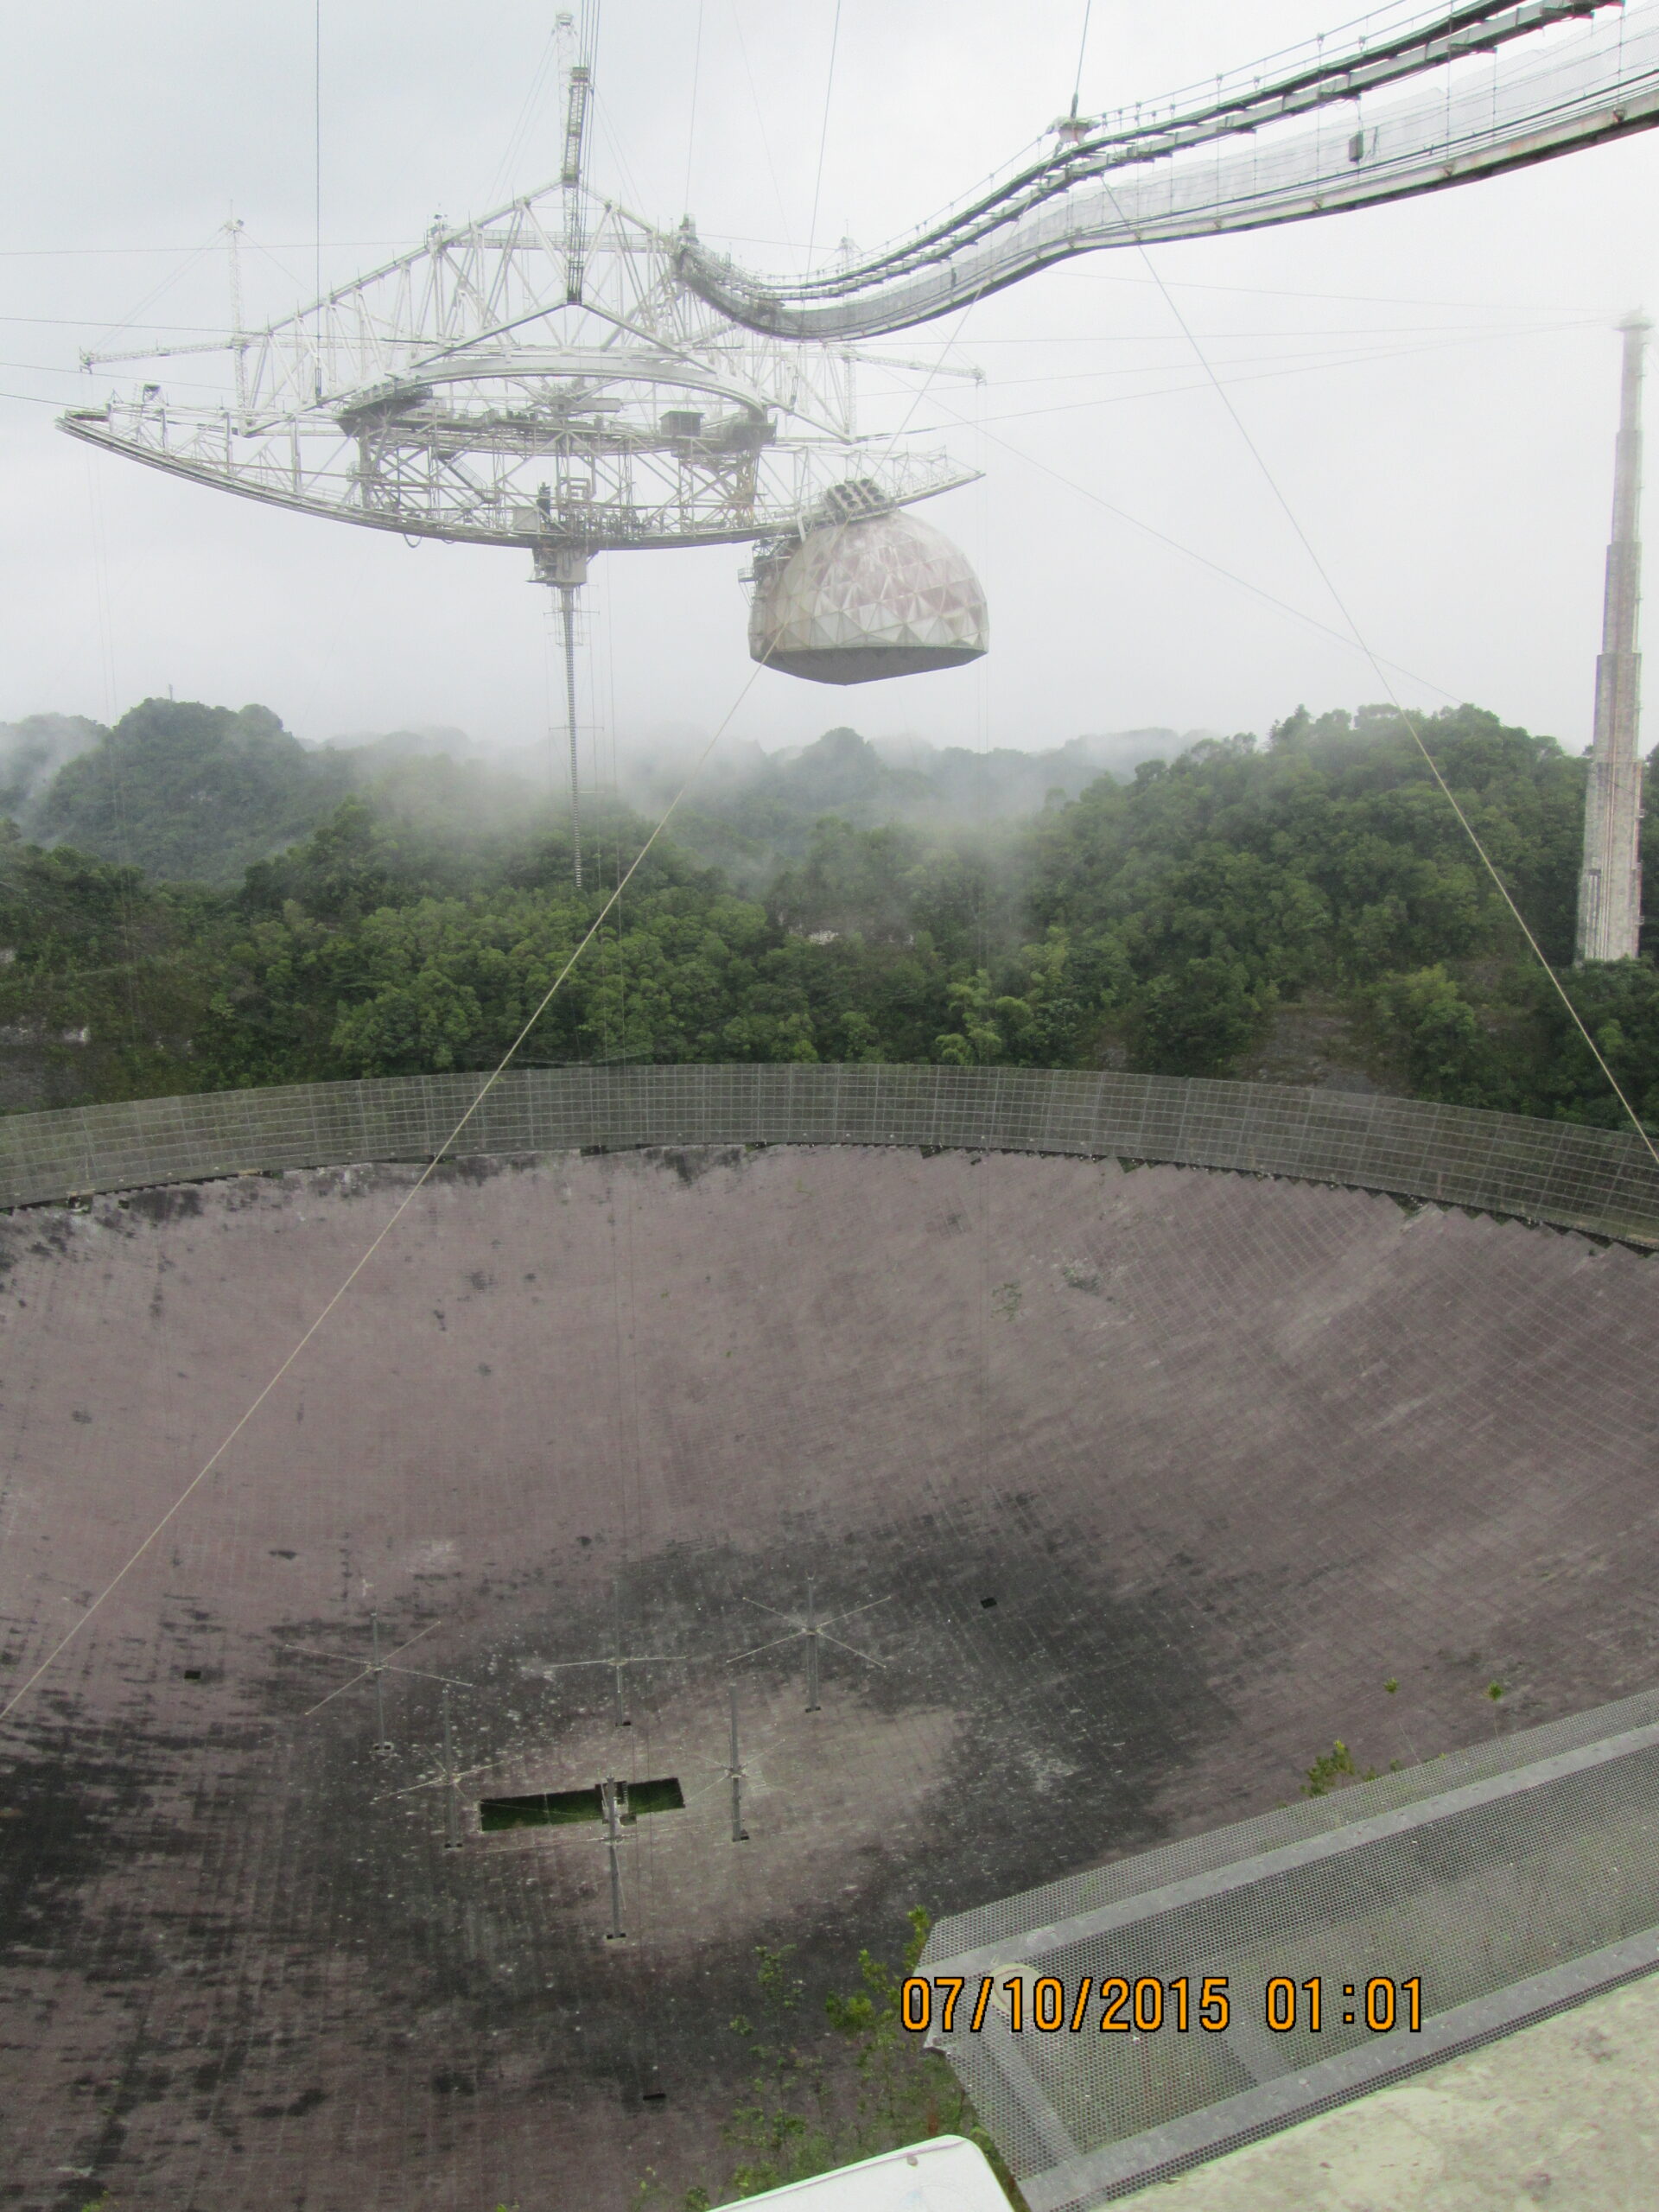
{"x":1609,"y":886}
{"x":573,"y":168}
{"x":567,"y":569}
{"x":238,"y":337}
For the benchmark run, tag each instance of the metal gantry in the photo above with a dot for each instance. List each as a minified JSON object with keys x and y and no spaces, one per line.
{"x":564,"y":376}
{"x":540,"y":378}
{"x":1414,"y":100}
{"x":460,"y":392}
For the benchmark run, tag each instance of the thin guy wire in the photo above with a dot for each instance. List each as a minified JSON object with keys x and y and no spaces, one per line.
{"x":691,"y":127}
{"x":1255,"y":368}
{"x":502,"y":179}
{"x":759,"y":121}
{"x":1190,"y":553}
{"x":824,"y":137}
{"x":128,"y":322}
{"x":1378,"y":670}
{"x":316,"y":135}
{"x":1083,"y":49}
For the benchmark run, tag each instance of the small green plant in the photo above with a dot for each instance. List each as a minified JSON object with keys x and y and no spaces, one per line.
{"x":1495,"y":1690}
{"x":1391,"y":1685}
{"x":1331,"y":1770}
{"x":783,"y":2128}
{"x":799,"y":2119}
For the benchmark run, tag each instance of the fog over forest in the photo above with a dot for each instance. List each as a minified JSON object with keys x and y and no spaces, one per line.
{"x":194,"y":900}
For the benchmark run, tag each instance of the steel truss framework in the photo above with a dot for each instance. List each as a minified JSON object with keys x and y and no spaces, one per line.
{"x":1478,"y":89}
{"x":539,"y":377}
{"x":562,"y":376}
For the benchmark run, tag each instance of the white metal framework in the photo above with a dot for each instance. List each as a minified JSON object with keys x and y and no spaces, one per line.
{"x":1422,"y":100}
{"x":537,"y":377}
{"x":562,"y":376}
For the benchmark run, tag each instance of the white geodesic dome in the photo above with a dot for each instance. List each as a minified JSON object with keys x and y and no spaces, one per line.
{"x":856,"y":601}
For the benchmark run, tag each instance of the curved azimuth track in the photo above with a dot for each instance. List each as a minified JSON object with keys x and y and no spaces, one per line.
{"x":1443,"y":98}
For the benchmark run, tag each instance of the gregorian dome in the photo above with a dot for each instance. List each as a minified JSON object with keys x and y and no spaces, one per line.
{"x":865,"y":595}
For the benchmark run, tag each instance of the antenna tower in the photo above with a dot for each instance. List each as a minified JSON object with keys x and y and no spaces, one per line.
{"x":1609,"y":886}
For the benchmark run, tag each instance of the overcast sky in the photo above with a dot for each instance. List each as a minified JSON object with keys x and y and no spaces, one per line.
{"x":1434,"y":385}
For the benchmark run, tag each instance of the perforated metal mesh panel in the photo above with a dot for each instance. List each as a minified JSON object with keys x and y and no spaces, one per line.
{"x":1543,"y":1171}
{"x":1503,"y":1881}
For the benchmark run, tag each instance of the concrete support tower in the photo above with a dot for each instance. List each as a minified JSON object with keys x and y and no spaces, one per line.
{"x":1609,"y":886}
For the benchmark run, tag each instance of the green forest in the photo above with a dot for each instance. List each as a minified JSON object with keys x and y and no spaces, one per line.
{"x":194,"y":900}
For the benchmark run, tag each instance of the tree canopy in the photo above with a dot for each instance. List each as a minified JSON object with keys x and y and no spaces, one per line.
{"x":189,"y":791}
{"x":1179,"y":921}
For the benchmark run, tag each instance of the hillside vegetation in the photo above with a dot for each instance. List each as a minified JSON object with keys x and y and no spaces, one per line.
{"x":1197,"y":917}
{"x":188,"y":791}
